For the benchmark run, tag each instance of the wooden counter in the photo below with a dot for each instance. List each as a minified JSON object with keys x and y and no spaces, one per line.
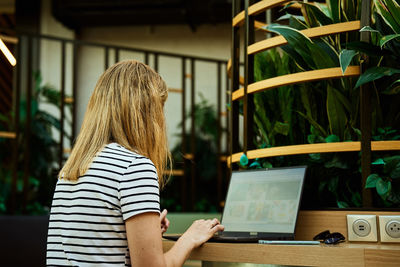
{"x":344,"y":254}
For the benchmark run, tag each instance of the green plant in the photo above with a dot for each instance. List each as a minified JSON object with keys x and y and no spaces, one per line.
{"x":205,"y":160}
{"x":387,"y":181}
{"x":326,"y":111}
{"x":43,"y":150}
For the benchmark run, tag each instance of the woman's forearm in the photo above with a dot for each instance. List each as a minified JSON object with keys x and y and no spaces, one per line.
{"x":179,"y":253}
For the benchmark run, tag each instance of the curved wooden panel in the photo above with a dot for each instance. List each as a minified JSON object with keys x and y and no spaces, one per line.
{"x":385,"y":145}
{"x":311,"y":33}
{"x":314,"y":148}
{"x":258,"y":25}
{"x":175,"y":172}
{"x":10,"y":135}
{"x":300,"y":77}
{"x":256,"y":9}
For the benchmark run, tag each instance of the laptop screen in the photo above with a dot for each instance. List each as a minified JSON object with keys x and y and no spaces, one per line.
{"x":264,"y":200}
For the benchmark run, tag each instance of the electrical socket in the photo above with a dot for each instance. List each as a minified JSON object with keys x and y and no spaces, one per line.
{"x":389,"y":226}
{"x":361,"y":228}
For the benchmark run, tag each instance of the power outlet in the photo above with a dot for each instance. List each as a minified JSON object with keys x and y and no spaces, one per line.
{"x":389,"y":227}
{"x":362,"y":228}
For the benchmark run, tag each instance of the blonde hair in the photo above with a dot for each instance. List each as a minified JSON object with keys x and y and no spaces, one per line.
{"x":126,"y":107}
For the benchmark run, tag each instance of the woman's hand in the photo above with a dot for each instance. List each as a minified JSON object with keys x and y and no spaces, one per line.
{"x":201,"y":230}
{"x":164,"y":221}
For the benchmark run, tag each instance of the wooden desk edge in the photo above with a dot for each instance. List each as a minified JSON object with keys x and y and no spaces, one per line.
{"x":345,"y":254}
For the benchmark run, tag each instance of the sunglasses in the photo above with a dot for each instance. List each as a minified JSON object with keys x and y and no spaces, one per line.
{"x":329,"y":238}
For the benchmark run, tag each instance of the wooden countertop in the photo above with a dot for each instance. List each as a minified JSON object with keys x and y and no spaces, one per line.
{"x":344,"y":254}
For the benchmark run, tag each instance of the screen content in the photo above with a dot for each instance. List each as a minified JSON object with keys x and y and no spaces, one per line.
{"x":263,"y":201}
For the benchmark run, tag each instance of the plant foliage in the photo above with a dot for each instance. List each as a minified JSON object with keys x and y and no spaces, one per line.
{"x":328,"y":111}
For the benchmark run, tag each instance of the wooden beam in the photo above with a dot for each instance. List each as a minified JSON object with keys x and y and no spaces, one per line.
{"x":294,"y":78}
{"x":256,"y":9}
{"x":10,"y":135}
{"x":175,"y":90}
{"x":311,"y":33}
{"x":315,"y":148}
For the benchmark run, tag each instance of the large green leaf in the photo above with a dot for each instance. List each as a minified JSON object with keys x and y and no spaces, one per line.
{"x":336,"y":113}
{"x":314,"y":123}
{"x":296,"y":22}
{"x":388,"y":38}
{"x":298,"y":41}
{"x":335,"y":10}
{"x":371,"y":180}
{"x":375,"y":73}
{"x":282,"y":128}
{"x":298,"y":59}
{"x":394,"y":10}
{"x":328,"y":56}
{"x":369,"y":29}
{"x":387,"y":15}
{"x":393,"y":89}
{"x":317,"y":13}
{"x":342,"y":204}
{"x":345,"y":58}
{"x":383,"y":188}
{"x":349,"y":10}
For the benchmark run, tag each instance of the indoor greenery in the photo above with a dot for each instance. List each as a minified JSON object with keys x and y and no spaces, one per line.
{"x":43,"y":153}
{"x":205,"y":160}
{"x":328,"y":111}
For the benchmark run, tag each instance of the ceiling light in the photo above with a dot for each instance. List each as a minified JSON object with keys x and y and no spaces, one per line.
{"x":7,"y":53}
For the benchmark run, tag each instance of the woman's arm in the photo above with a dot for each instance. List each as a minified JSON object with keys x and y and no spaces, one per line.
{"x":145,"y":244}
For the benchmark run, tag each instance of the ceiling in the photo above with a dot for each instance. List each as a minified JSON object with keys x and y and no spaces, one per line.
{"x":88,"y":13}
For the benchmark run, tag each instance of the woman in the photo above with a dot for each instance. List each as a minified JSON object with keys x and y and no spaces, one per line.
{"x":106,"y":209}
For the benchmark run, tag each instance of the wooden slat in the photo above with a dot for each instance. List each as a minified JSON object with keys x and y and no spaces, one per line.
{"x":223,"y":158}
{"x":68,"y":100}
{"x":259,"y":26}
{"x":385,"y":145}
{"x":10,"y":135}
{"x":300,"y":77}
{"x":314,"y":148}
{"x":256,"y":9}
{"x":311,"y":33}
{"x":175,"y":90}
{"x":188,"y":156}
{"x":9,"y":39}
{"x":176,"y":172}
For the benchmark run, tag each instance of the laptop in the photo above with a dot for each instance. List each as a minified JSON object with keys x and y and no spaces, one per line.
{"x":261,"y":204}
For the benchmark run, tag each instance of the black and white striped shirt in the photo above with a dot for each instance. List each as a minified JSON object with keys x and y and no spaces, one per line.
{"x":87,"y":217}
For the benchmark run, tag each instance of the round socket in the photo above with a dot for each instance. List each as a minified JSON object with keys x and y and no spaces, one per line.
{"x":361,"y":227}
{"x":393,"y":229}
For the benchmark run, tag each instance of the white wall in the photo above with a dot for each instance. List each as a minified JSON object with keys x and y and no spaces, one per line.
{"x":211,"y":41}
{"x":50,"y":61}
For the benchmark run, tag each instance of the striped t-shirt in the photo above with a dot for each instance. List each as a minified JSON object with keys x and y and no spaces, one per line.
{"x":87,"y":217}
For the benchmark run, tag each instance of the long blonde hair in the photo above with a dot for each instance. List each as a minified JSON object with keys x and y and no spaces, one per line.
{"x":126,"y":107}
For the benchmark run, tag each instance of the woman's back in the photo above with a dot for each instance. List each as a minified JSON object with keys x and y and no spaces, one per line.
{"x":87,"y":216}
